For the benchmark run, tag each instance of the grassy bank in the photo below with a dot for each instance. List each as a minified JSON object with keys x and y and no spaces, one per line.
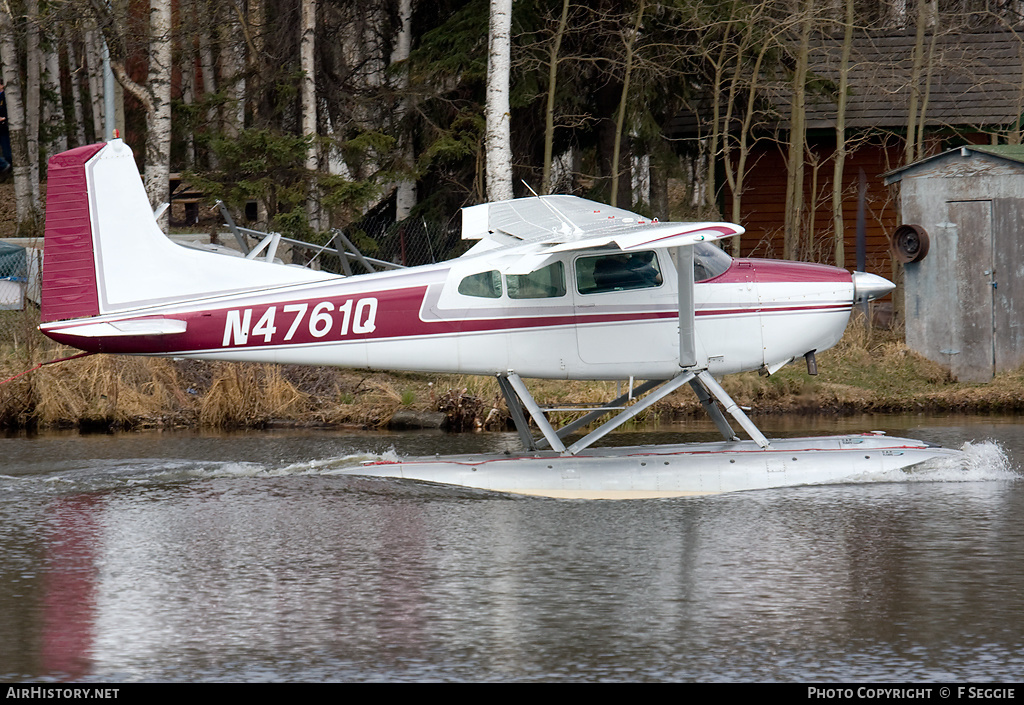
{"x":867,"y":371}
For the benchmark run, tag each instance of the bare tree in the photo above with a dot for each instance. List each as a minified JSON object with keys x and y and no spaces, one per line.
{"x":839,"y":162}
{"x":921,"y":68}
{"x":797,"y":138}
{"x":629,"y":41}
{"x":549,"y":111}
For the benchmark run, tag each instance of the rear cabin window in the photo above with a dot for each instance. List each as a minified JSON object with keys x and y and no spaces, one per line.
{"x":546,"y":283}
{"x":617,"y":271}
{"x":486,"y":285}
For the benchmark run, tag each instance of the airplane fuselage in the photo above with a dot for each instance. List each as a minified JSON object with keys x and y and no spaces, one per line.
{"x":756,"y":313}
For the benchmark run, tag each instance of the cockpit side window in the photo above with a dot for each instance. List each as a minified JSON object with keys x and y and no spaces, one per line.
{"x":617,"y":271}
{"x":485,"y":285}
{"x":545,"y":283}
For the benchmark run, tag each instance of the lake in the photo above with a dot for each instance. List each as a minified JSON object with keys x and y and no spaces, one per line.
{"x":247,"y":557}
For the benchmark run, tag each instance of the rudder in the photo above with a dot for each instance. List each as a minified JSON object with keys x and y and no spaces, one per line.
{"x":69,"y":288}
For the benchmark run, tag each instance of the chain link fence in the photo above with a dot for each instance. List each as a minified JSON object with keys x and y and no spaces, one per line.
{"x":409,"y":243}
{"x":13,"y":276}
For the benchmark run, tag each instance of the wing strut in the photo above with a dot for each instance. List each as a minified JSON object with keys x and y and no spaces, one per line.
{"x":684,"y":272}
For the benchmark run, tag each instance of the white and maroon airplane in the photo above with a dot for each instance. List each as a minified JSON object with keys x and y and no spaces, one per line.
{"x":557,"y":287}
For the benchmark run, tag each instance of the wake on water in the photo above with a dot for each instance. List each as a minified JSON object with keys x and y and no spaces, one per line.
{"x":981,"y":461}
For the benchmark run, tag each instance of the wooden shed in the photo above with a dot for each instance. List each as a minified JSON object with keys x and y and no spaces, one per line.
{"x":963,"y":212}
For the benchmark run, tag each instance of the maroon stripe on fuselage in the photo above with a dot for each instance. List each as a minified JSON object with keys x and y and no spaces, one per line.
{"x":363,"y":316}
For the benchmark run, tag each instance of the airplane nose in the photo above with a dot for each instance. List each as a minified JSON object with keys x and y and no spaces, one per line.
{"x":870,"y":286}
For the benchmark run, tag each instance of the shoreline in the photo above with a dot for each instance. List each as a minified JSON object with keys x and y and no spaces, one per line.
{"x":867,"y":372}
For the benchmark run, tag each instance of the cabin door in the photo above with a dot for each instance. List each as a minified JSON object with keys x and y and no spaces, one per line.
{"x":625,"y":308}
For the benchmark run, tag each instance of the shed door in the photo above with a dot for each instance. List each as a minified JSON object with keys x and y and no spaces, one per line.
{"x":973,"y":321}
{"x":1008,"y":283}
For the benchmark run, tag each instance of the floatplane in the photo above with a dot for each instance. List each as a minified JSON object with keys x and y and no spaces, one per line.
{"x":556,"y":287}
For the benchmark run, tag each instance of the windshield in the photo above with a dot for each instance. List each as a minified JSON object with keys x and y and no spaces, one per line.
{"x":709,"y":261}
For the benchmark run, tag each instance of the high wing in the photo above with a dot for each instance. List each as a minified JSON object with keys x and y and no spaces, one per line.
{"x":554,"y":224}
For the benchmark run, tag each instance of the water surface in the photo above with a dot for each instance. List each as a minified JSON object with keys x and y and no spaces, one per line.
{"x":247,"y":557}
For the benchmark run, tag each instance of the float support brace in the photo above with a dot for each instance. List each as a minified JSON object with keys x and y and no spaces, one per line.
{"x":621,"y":418}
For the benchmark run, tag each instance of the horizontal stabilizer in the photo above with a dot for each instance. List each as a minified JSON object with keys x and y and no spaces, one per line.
{"x":145,"y":326}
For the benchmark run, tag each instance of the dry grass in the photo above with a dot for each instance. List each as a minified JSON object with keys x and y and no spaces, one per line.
{"x":250,"y":396}
{"x":109,"y":391}
{"x":866,"y":371}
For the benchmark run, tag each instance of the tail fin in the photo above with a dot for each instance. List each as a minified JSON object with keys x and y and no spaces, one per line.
{"x":104,"y":252}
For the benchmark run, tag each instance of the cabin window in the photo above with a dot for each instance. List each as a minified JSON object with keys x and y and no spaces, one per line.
{"x":709,"y":261}
{"x":545,"y":283}
{"x":486,"y":285}
{"x":617,"y":271}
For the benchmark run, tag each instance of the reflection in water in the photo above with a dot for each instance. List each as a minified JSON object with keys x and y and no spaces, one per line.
{"x":69,"y":594}
{"x":182,"y":557}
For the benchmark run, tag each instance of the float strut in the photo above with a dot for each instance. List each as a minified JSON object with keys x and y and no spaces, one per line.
{"x":526,"y":399}
{"x":732,"y":408}
{"x":713,"y":411}
{"x":515,"y":408}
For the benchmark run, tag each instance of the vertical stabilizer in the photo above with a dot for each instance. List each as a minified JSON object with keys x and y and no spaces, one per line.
{"x":105,"y":254}
{"x":69,"y":274}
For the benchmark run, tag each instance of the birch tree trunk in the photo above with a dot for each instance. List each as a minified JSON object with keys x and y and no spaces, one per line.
{"x":26,"y":211}
{"x":75,"y":66}
{"x":94,"y":73}
{"x":497,"y":113}
{"x":232,"y":76}
{"x":53,"y":110}
{"x":209,"y":84}
{"x":33,"y":79}
{"x":155,"y":97}
{"x":158,"y":132}
{"x":405,"y":191}
{"x":307,"y":59}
